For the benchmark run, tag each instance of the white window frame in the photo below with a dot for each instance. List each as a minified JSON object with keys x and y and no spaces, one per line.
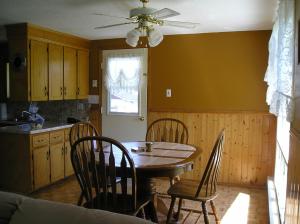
{"x":108,"y":112}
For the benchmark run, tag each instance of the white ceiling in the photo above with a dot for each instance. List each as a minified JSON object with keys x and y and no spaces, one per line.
{"x":75,"y":16}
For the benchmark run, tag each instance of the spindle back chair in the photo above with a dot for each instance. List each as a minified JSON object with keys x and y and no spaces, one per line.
{"x":96,"y":169}
{"x":204,"y":191}
{"x":167,"y":130}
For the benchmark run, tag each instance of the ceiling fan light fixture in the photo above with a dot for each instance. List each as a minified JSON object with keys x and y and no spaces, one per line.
{"x":155,"y":37}
{"x":133,"y":37}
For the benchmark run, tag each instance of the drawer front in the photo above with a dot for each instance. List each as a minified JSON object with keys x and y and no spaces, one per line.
{"x":56,"y":137}
{"x":40,"y":140}
{"x":67,"y":132}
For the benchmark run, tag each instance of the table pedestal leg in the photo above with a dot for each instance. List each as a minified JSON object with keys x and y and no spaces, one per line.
{"x":146,"y":188}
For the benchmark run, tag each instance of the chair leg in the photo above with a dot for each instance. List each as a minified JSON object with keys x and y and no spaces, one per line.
{"x":205,"y":212}
{"x":80,"y":199}
{"x":141,"y":213}
{"x":151,"y":212}
{"x":214,"y":211}
{"x":171,"y":209}
{"x":177,"y":215}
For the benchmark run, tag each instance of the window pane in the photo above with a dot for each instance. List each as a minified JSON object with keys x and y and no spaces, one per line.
{"x":281,"y":163}
{"x":123,"y":101}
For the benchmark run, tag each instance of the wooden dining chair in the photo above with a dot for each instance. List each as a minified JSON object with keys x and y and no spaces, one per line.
{"x":206,"y":190}
{"x":167,"y":130}
{"x":80,"y":130}
{"x":94,"y":169}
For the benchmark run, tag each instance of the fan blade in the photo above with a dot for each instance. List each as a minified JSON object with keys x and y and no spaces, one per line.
{"x":180,"y":24}
{"x":120,"y":17}
{"x":164,"y":13}
{"x":119,"y":24}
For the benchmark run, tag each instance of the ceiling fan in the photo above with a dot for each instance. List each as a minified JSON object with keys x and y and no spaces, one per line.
{"x":146,"y":18}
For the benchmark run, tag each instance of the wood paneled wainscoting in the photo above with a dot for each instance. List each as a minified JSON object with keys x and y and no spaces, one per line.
{"x":249,"y":151}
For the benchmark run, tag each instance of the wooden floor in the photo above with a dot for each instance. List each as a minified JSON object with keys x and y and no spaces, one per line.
{"x":235,"y":205}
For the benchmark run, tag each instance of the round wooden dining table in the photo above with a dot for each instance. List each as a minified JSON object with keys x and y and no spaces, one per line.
{"x":165,"y":160}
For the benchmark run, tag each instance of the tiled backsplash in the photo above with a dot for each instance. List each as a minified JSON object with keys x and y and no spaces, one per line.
{"x":53,"y":111}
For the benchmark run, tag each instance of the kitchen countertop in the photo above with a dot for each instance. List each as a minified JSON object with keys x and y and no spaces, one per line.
{"x":26,"y":128}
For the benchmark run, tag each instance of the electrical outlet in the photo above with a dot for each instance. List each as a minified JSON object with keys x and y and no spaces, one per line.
{"x":95,"y":83}
{"x":168,"y":93}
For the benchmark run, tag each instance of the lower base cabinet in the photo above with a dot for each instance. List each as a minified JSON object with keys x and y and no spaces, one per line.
{"x":41,"y":168}
{"x":29,"y":162}
{"x":68,"y":164}
{"x":57,"y":162}
{"x":53,"y":161}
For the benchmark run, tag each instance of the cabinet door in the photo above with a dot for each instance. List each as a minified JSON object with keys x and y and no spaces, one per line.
{"x":83,"y":74}
{"x":56,"y":72}
{"x":70,"y":73}
{"x":38,"y":70}
{"x":57,"y":161}
{"x":68,"y":164}
{"x":41,"y":167}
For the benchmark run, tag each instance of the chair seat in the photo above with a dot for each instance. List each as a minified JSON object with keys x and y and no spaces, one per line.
{"x":123,"y":203}
{"x":187,"y":189}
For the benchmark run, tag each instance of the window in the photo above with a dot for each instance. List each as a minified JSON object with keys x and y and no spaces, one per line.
{"x":122,"y":79}
{"x":281,"y":163}
{"x":280,"y":95}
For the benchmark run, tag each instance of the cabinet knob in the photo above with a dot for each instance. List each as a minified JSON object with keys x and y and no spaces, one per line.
{"x":45,"y":91}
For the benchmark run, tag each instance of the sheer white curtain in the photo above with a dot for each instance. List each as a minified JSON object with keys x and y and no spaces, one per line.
{"x":279,"y":75}
{"x":123,"y":74}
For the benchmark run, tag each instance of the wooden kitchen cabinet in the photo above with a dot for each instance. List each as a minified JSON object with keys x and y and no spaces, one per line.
{"x":39,"y":70}
{"x":40,"y":160}
{"x":29,"y":162}
{"x":83,"y":74}
{"x":70,"y":73}
{"x":56,"y":71}
{"x":57,"y":157}
{"x":41,"y":168}
{"x":54,"y":66}
{"x":68,"y":164}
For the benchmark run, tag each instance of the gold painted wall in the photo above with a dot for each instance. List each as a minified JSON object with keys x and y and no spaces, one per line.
{"x":219,"y":78}
{"x":210,"y":72}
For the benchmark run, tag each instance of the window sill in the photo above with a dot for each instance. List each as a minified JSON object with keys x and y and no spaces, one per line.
{"x":272,"y":202}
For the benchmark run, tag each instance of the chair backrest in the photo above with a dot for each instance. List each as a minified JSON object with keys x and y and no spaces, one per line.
{"x":210,"y":176}
{"x":80,"y":130}
{"x":95,"y":170}
{"x":167,"y":130}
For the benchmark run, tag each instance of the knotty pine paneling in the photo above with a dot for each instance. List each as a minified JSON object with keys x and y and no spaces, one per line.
{"x":249,"y":151}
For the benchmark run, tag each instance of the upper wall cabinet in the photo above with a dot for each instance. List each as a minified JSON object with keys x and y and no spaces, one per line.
{"x":39,"y":70}
{"x":56,"y":71}
{"x":47,"y":65}
{"x":70,"y":73}
{"x":83,"y":74}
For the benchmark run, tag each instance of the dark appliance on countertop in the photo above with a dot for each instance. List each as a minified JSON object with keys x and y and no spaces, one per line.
{"x":72,"y":120}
